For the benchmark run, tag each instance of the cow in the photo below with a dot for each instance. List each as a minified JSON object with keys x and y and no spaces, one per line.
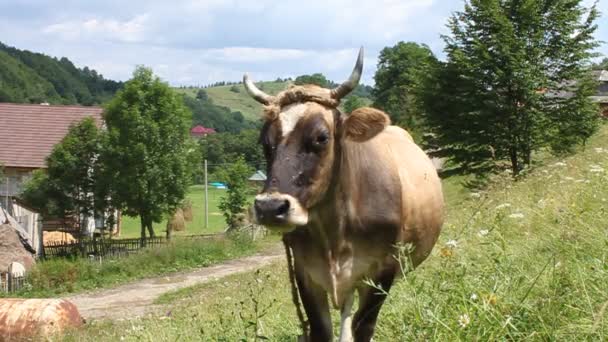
{"x":346,"y":191}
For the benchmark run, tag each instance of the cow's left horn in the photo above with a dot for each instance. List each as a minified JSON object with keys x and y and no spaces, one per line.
{"x":350,"y":84}
{"x":256,"y":93}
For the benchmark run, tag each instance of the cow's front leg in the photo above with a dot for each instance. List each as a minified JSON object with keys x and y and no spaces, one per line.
{"x":314,"y":300}
{"x":346,"y":320}
{"x":370,"y":302}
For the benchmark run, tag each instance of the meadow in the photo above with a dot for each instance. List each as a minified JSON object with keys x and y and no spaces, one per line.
{"x":196,"y":194}
{"x":517,"y":260}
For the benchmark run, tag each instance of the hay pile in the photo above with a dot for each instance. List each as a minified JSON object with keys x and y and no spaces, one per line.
{"x":177,"y":223}
{"x":56,"y":237}
{"x":187,"y":209}
{"x":12,"y":249}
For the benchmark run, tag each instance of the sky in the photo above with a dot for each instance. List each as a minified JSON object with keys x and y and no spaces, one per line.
{"x":198,"y":42}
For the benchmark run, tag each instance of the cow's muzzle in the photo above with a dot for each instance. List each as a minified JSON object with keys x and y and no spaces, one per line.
{"x":279,"y":211}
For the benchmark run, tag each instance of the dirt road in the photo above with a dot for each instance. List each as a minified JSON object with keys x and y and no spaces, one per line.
{"x":136,"y":298}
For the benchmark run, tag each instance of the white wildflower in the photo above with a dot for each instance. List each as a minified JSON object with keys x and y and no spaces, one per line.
{"x":568,"y":178}
{"x":464,"y":320}
{"x":596,"y":168}
{"x":473,"y":297}
{"x":541,"y":203}
{"x":558,"y":264}
{"x":504,"y":205}
{"x":452,"y":243}
{"x":516,"y":215}
{"x":600,"y":150}
{"x":545,"y":171}
{"x":558,"y":164}
{"x":483,"y":233}
{"x":475,"y":194}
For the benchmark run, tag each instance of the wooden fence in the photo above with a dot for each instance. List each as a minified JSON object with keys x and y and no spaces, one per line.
{"x":110,"y":247}
{"x":9,"y":283}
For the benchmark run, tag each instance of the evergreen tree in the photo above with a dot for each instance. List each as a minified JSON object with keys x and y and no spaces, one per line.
{"x":516,"y":80}
{"x":147,"y":153}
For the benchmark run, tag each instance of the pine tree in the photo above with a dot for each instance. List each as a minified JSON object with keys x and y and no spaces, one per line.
{"x":516,"y":80}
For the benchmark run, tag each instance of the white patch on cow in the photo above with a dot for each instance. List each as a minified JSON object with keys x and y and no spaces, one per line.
{"x":290,"y":116}
{"x":346,"y":320}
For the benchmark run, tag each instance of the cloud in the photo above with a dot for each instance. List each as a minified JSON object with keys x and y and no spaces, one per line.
{"x":129,"y":31}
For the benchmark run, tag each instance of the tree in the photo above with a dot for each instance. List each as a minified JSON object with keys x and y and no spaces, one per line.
{"x":400,"y":70}
{"x":235,"y":202}
{"x":602,"y":65}
{"x":147,"y":152}
{"x":202,"y":95}
{"x":516,"y":80}
{"x":318,"y":79}
{"x":68,"y":187}
{"x":352,"y":103}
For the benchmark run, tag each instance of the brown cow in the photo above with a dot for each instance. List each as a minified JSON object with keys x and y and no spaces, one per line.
{"x":346,"y":190}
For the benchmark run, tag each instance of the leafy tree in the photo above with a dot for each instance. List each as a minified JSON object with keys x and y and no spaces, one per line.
{"x":224,"y":148}
{"x":352,"y":103}
{"x":318,"y":79}
{"x":235,"y":202}
{"x":201,"y":95}
{"x":602,"y":65}
{"x":515,"y":80}
{"x":68,"y":187}
{"x":147,"y":152}
{"x":399,"y":74}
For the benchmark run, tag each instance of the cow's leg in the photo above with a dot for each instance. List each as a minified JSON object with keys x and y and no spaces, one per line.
{"x":370,"y":302}
{"x":314,"y":300}
{"x":346,"y":320}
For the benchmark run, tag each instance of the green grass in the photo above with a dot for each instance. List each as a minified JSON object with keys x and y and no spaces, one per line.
{"x":57,"y":277}
{"x":131,"y":225}
{"x":241,"y":101}
{"x":526,"y":260}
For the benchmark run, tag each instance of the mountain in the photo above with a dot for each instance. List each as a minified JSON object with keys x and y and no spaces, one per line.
{"x":30,"y":77}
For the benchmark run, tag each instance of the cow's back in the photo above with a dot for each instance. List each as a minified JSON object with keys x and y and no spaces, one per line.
{"x":390,"y":179}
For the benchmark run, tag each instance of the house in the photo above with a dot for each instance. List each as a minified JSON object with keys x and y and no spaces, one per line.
{"x":28,"y":133}
{"x":601,"y":96}
{"x":200,"y":131}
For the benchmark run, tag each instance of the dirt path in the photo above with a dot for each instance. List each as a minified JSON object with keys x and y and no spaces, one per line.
{"x":136,"y":299}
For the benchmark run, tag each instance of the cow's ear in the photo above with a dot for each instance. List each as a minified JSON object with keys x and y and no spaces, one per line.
{"x":364,"y":123}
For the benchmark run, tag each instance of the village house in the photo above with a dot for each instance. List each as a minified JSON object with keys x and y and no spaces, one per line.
{"x":28,"y":133}
{"x":601,"y":96}
{"x":200,"y":131}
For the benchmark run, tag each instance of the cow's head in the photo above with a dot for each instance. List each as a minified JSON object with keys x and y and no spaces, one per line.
{"x":301,"y":137}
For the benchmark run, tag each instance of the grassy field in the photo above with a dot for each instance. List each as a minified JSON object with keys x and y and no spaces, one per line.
{"x":196,"y":194}
{"x":58,"y":277}
{"x":524,"y":260}
{"x":241,"y":102}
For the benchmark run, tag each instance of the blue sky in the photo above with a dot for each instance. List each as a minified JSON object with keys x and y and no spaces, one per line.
{"x":204,"y":41}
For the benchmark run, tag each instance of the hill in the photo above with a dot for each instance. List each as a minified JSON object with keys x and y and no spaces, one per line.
{"x":30,"y":77}
{"x":235,"y":97}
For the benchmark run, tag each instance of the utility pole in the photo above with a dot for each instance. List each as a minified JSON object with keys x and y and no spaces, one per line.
{"x":206,"y":199}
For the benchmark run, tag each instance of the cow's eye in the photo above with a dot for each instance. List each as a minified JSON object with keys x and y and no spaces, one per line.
{"x":322,"y":139}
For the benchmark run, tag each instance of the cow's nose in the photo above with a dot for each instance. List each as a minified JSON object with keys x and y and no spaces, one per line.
{"x":271,"y":208}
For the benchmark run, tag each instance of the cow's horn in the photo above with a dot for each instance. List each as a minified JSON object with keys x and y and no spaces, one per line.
{"x":256,"y":93}
{"x":350,"y":84}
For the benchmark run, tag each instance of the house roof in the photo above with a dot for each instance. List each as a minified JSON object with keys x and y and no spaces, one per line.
{"x":601,"y":75}
{"x":201,"y":130}
{"x":258,"y":176}
{"x":29,"y":132}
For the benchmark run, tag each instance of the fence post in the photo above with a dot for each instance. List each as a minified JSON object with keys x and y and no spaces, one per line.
{"x":206,"y":200}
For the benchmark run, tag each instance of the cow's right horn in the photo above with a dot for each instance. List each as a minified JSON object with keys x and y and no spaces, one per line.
{"x":256,"y":93}
{"x":352,"y":82}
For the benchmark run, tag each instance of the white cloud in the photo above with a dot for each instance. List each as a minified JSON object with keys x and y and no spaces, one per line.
{"x":130,"y":31}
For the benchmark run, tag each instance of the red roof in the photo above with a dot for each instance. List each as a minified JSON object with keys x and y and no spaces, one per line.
{"x":29,"y":132}
{"x":201,"y":130}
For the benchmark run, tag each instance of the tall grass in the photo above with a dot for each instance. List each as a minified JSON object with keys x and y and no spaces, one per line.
{"x":520,"y":260}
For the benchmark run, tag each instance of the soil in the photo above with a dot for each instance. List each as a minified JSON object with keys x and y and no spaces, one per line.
{"x":137,"y":298}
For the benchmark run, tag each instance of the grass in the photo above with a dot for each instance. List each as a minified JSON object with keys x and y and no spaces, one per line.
{"x":241,"y":101}
{"x":131,"y":225}
{"x":57,"y":277}
{"x":524,"y":260}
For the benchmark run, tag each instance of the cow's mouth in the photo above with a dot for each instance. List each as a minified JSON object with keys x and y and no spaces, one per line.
{"x":279,"y":211}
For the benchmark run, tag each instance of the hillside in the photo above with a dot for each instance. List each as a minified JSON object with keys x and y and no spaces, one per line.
{"x":520,"y":260}
{"x":235,"y":97}
{"x":237,"y":101}
{"x":30,"y":77}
